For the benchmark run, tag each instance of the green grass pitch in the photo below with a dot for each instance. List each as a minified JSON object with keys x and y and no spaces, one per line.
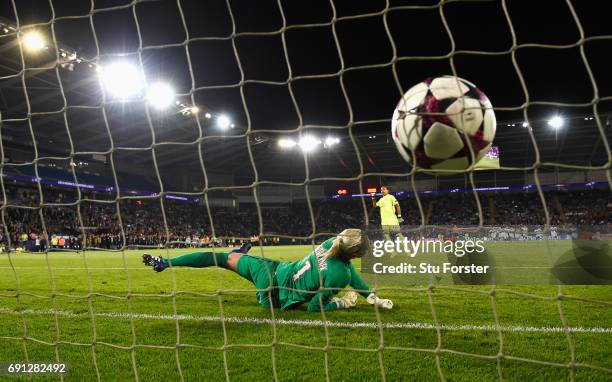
{"x":352,"y":347}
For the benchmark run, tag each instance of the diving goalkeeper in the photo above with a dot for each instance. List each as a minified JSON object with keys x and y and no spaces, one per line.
{"x":316,"y":279}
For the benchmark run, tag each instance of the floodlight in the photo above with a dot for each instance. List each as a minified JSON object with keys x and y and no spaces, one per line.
{"x":223,"y":122}
{"x":195,"y":109}
{"x":555,"y":122}
{"x":330,"y":141}
{"x":308,"y":143}
{"x":160,"y":95}
{"x":208,"y":115}
{"x":122,"y":79}
{"x":525,"y":124}
{"x":33,"y":41}
{"x":286,"y":143}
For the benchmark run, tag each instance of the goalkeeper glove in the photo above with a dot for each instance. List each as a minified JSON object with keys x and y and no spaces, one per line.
{"x":348,"y":301}
{"x":400,"y":219}
{"x":385,"y":303}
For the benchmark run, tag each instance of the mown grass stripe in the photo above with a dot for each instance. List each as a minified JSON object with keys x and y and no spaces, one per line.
{"x":316,"y":323}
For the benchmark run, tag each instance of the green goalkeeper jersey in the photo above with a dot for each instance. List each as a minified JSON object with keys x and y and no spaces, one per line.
{"x":299,"y":280}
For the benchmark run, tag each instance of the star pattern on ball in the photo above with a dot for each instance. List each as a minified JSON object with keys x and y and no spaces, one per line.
{"x":452,"y":127}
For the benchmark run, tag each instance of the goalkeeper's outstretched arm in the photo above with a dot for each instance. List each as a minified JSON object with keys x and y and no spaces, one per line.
{"x":363,"y":289}
{"x":358,"y":283}
{"x":323,"y":299}
{"x":327,"y":300}
{"x":336,"y":279}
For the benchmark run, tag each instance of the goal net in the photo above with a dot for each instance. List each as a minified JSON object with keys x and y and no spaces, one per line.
{"x":159,"y":126}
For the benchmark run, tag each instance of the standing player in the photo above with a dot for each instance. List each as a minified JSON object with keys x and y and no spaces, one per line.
{"x":316,"y":279}
{"x":390,"y":213}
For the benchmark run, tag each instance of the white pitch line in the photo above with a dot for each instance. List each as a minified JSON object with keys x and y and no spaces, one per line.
{"x":312,"y":323}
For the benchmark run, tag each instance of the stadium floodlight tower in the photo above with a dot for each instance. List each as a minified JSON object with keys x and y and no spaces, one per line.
{"x":160,"y":95}
{"x":331,"y":141}
{"x":122,"y":79}
{"x":309,"y":143}
{"x":223,"y":122}
{"x":286,"y":143}
{"x":33,"y":41}
{"x":556,"y":122}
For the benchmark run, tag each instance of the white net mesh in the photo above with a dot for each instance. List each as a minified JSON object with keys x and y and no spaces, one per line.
{"x":84,"y":206}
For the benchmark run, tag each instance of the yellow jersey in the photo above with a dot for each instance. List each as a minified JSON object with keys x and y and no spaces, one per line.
{"x":387,"y":210}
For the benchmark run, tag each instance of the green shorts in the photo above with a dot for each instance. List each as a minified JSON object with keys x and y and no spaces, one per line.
{"x":261,"y":272}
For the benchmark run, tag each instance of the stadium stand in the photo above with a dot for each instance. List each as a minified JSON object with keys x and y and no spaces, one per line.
{"x":189,"y":220}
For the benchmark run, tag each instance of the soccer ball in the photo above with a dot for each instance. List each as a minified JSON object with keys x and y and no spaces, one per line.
{"x":437,"y":120}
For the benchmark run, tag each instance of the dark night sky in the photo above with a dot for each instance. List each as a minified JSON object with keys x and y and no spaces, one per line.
{"x":552,"y":75}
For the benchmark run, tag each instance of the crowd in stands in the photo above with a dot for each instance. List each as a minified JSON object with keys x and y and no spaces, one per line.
{"x":105,"y":223}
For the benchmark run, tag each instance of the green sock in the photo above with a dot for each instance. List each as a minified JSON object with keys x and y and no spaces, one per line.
{"x":200,"y":260}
